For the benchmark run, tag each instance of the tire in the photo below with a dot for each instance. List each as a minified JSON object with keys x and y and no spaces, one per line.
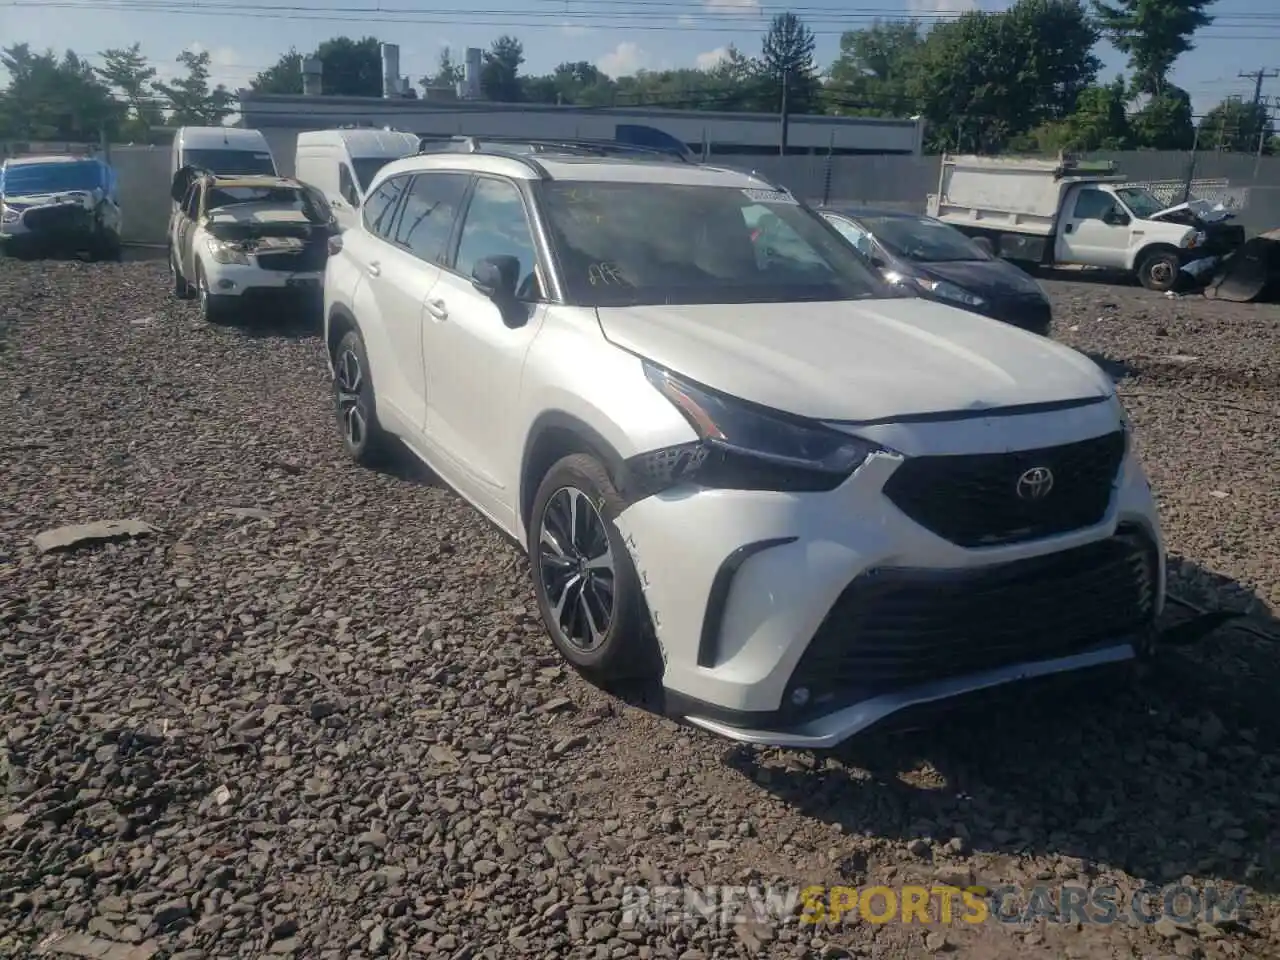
{"x":107,"y":248}
{"x":1158,"y":271}
{"x":181,"y":289}
{"x":621,"y":645}
{"x":214,"y":309}
{"x":363,"y":439}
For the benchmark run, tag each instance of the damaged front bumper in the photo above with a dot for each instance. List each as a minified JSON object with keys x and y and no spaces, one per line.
{"x":49,"y":229}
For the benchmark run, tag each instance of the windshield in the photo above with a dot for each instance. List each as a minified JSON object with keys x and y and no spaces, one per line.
{"x":623,"y":244}
{"x":32,"y":178}
{"x":289,"y":197}
{"x":231,"y":163}
{"x":366,"y":167}
{"x":923,"y":240}
{"x":1141,"y":201}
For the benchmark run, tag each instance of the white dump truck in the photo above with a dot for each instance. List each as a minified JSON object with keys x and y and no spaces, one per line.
{"x":1049,"y":212}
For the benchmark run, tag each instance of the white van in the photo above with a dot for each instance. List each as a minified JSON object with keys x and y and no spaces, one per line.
{"x":341,"y":163}
{"x":223,"y":150}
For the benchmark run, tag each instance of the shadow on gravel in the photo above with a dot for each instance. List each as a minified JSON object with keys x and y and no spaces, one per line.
{"x":286,"y":321}
{"x":404,"y":466}
{"x":1117,"y":370}
{"x":1163,"y":778}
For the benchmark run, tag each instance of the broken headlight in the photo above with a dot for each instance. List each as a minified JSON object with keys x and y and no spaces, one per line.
{"x":223,"y":252}
{"x":742,"y":446}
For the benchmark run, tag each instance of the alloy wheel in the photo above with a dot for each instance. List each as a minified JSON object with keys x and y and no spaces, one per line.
{"x":348,"y":378}
{"x":576,"y":566}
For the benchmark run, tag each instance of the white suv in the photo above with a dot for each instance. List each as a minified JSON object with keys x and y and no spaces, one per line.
{"x":745,"y":467}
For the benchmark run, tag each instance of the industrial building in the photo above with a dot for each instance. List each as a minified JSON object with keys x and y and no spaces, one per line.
{"x":463,"y":111}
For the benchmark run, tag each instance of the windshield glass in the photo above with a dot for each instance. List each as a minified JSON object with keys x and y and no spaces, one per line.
{"x":623,"y":244}
{"x":289,"y":197}
{"x":1141,"y":201}
{"x":923,"y":240}
{"x":31,"y":178}
{"x":366,"y":167}
{"x":231,"y":163}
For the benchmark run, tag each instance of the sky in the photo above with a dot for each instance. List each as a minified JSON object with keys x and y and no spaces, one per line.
{"x":619,"y":36}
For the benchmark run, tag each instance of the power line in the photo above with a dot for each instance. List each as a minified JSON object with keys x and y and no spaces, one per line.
{"x":1259,"y":76}
{"x":548,"y":19}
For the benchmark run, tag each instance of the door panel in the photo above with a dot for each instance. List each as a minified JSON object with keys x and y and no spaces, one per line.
{"x":1086,"y":238}
{"x":475,"y":352}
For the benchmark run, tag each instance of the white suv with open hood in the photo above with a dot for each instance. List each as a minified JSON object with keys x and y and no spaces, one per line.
{"x":744,"y":466}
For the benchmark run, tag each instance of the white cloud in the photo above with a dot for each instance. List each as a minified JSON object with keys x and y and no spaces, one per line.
{"x":685,"y":20}
{"x":705,"y":61}
{"x":916,"y":8}
{"x":623,"y":60}
{"x":573,"y":29}
{"x":738,"y":7}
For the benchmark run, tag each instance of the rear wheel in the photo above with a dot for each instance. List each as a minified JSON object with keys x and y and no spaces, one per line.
{"x":1159,"y":270}
{"x":587,"y":588}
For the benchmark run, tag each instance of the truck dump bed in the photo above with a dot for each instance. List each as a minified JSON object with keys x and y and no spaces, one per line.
{"x":1021,"y":194}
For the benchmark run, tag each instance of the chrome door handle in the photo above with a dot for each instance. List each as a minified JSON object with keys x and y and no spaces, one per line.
{"x":437,"y":309}
{"x":375,"y":269}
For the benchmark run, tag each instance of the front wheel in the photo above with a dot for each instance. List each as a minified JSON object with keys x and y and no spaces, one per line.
{"x":1158,"y":271}
{"x":363,"y":439}
{"x":587,"y":588}
{"x":212,"y":307}
{"x":181,"y":289}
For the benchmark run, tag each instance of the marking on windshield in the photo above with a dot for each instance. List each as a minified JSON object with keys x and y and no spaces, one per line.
{"x":604,"y":274}
{"x":771,"y":196}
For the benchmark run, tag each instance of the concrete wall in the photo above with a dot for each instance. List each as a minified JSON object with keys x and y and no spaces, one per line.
{"x":901,"y":182}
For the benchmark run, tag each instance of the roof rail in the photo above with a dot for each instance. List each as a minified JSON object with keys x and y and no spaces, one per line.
{"x":468,"y":147}
{"x":569,"y":145}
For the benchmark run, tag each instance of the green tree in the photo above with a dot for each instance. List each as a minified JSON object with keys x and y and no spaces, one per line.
{"x":1098,"y":123}
{"x":352,"y":68}
{"x":786,"y":64}
{"x":1165,"y":123}
{"x":500,"y":71}
{"x":1236,"y":126}
{"x":191,"y":99}
{"x":1154,"y":33}
{"x":131,"y":75}
{"x":52,"y":98}
{"x":349,"y":68}
{"x":580,"y":83}
{"x":284,"y":76}
{"x":449,"y":73}
{"x":985,"y":78}
{"x":875,"y":66}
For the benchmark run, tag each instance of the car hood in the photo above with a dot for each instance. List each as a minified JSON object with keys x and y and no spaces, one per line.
{"x":988,"y":278}
{"x":856,"y":360}
{"x":23,"y":201}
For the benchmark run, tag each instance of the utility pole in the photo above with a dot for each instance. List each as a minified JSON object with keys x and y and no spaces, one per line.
{"x":786,"y":115}
{"x":1258,"y":76}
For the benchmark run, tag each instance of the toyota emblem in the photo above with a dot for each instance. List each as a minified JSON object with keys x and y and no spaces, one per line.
{"x":1035,"y":484}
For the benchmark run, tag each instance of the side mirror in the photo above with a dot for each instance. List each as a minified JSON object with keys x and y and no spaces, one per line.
{"x":181,"y":181}
{"x":497,"y":277}
{"x":1116,"y":218}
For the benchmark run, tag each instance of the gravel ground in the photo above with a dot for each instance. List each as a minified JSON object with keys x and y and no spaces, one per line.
{"x":313,"y":713}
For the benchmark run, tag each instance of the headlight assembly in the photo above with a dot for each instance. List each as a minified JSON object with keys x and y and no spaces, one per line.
{"x":226,"y":253}
{"x":742,"y":446}
{"x":949,"y":291}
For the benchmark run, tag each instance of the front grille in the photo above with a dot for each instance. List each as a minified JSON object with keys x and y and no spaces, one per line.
{"x":309,"y":259}
{"x":897,"y":628}
{"x":56,"y":218}
{"x":973,"y":500}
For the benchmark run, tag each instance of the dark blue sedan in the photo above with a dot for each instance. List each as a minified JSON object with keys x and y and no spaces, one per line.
{"x":941,"y":263}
